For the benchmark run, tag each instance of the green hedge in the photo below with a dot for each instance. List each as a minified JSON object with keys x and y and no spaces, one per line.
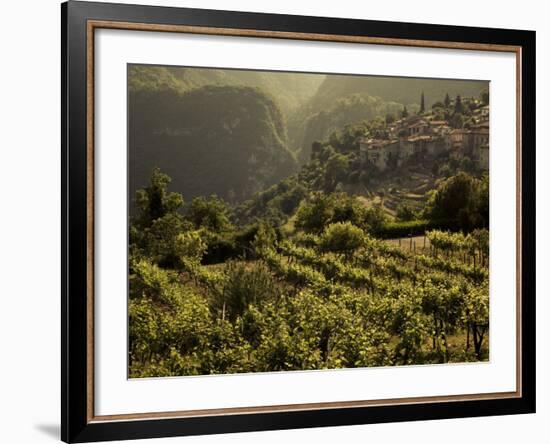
{"x":413,"y":228}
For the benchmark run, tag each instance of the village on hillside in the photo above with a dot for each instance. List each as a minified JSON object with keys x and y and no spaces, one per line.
{"x":347,"y":229}
{"x":422,"y":134}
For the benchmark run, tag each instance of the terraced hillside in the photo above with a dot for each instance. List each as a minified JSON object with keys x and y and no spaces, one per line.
{"x":411,"y":189}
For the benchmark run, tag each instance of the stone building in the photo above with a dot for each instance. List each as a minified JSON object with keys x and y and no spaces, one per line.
{"x":380,"y":152}
{"x":417,"y":135}
{"x":407,"y":137}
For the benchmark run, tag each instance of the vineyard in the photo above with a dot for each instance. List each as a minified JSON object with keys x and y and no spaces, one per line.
{"x":302,"y":260}
{"x":335,"y":298}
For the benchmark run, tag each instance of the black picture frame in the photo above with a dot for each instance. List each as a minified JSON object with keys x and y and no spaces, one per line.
{"x":76,"y":424}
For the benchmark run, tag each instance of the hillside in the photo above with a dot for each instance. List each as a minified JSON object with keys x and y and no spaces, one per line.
{"x":225,"y":140}
{"x":337,"y":164}
{"x":308,"y":118}
{"x":346,"y":110}
{"x":301,"y":264}
{"x":402,"y":90}
{"x":237,"y":132}
{"x":291,"y":90}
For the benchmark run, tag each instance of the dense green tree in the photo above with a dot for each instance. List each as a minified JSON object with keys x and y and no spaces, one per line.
{"x":347,"y":139}
{"x":316,"y":148}
{"x":265,"y":238}
{"x":211,"y":213}
{"x":453,"y":196}
{"x":155,"y":201}
{"x":323,"y":209}
{"x":467,"y":164}
{"x":190,"y":245}
{"x":483,"y":199}
{"x":457,"y":121}
{"x":336,"y":171}
{"x":159,"y":242}
{"x":156,"y":226}
{"x":460,"y":198}
{"x":459,"y":107}
{"x":276,"y":203}
{"x":404,"y":212}
{"x":484,"y":96}
{"x":375,"y":218}
{"x":342,"y":237}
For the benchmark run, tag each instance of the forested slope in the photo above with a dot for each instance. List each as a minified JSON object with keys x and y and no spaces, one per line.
{"x":226,"y":140}
{"x":397,"y":89}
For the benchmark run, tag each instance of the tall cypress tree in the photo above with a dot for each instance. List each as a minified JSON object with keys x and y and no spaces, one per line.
{"x":447,"y":100}
{"x":458,"y":105}
{"x":422,"y":104}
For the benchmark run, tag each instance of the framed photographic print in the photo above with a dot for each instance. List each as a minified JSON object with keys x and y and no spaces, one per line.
{"x":276,"y":221}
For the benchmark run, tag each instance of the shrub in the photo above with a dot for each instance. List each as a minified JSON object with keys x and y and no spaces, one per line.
{"x":221,"y":247}
{"x":191,"y":245}
{"x":211,"y":213}
{"x":154,"y":201}
{"x":462,"y":198}
{"x":264,"y":239}
{"x":158,"y":241}
{"x":342,"y":237}
{"x":412,"y":228}
{"x":405,"y":213}
{"x":375,"y":218}
{"x":245,"y":285}
{"x":323,"y":209}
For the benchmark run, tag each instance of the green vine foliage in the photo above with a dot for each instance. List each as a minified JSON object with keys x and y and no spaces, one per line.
{"x":327,"y":295}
